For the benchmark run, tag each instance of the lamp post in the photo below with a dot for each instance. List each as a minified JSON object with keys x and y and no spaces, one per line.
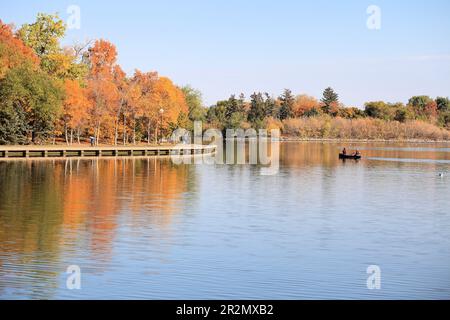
{"x":161,"y":113}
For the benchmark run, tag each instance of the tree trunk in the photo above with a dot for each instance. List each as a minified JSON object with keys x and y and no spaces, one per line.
{"x":78,"y":136}
{"x":71,"y":136}
{"x":66,"y":135}
{"x":148,"y":133}
{"x":124,"y":130}
{"x":134,"y":132}
{"x":97,"y":134}
{"x":116,"y":132}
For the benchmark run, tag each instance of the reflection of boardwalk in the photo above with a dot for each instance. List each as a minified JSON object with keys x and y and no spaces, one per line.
{"x":7,"y":152}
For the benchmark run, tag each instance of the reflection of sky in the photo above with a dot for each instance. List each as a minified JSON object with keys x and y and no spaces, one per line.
{"x":225,"y":47}
{"x":411,"y":160}
{"x":308,"y":232}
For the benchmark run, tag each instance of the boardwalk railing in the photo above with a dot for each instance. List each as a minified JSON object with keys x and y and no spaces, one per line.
{"x":132,"y":151}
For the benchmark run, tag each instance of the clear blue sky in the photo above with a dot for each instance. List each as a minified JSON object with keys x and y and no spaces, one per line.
{"x":225,"y":47}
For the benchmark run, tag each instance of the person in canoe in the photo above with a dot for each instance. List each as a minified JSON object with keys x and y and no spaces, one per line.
{"x":344,"y":155}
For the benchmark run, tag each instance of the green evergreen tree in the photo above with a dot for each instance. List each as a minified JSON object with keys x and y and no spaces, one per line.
{"x":234,"y":112}
{"x":329,"y":99}
{"x":270,"y":106}
{"x":231,"y":107}
{"x":287,"y":101}
{"x":257,"y":111}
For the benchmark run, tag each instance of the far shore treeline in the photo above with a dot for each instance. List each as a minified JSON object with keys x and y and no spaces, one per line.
{"x":50,"y":93}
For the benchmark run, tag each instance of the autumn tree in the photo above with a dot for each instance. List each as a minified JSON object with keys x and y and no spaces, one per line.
{"x":431,"y":110}
{"x":13,"y":52}
{"x":141,"y":101}
{"x":118,"y":110}
{"x":76,"y":108}
{"x":351,"y":113}
{"x":144,"y":101}
{"x":103,"y":92}
{"x":64,"y":65}
{"x":172,"y":103}
{"x":423,"y":106}
{"x":44,"y":34}
{"x":157,"y":102}
{"x":304,"y":105}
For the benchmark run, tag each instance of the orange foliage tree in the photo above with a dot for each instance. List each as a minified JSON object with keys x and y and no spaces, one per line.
{"x":103,"y":92}
{"x":76,"y":108}
{"x":147,"y":99}
{"x":13,"y":52}
{"x":157,"y":101}
{"x":171,"y":102}
{"x":134,"y":105}
{"x":118,"y":109}
{"x":304,"y":104}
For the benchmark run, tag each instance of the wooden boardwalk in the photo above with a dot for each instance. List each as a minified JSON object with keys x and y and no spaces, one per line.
{"x":20,"y":152}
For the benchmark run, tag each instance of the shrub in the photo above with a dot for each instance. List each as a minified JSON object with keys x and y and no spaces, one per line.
{"x":325,"y":127}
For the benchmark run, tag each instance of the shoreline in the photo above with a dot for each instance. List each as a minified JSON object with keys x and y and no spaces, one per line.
{"x":298,"y":139}
{"x":139,"y":147}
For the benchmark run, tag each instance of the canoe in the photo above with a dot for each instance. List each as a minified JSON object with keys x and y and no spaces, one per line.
{"x":349,"y":156}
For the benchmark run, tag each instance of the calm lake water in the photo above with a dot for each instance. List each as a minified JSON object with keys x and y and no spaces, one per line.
{"x":150,"y":229}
